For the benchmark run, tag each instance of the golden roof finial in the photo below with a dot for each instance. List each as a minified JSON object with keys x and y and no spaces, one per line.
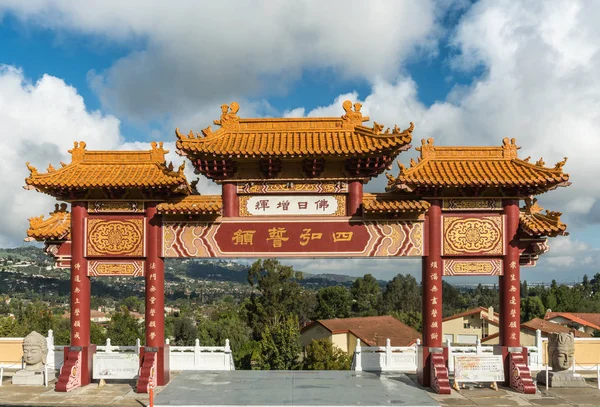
{"x":509,"y":147}
{"x":391,"y":179}
{"x":353,"y":118}
{"x":158,"y":152}
{"x":207,"y":131}
{"x":412,"y":162}
{"x":527,"y":159}
{"x":377,"y":127}
{"x":181,"y":168}
{"x":77,"y":152}
{"x":554,"y":216}
{"x":532,"y":207}
{"x":427,"y":148}
{"x":32,"y":169}
{"x":540,"y":162}
{"x":229,"y":118}
{"x":50,"y":168}
{"x":560,"y":164}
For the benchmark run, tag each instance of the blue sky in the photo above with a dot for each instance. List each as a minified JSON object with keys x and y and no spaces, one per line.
{"x":120,"y":74}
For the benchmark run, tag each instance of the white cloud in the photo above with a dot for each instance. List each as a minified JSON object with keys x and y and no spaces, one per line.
{"x":540,"y":84}
{"x":201,"y":53}
{"x":40,"y":121}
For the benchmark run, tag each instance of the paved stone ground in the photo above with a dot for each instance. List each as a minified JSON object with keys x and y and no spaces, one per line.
{"x":123,"y":394}
{"x":473,"y":396}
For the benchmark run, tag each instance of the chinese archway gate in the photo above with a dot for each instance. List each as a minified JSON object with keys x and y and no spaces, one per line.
{"x":294,"y":188}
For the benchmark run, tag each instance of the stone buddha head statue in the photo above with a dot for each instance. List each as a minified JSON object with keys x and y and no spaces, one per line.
{"x":35,"y":350}
{"x":561,"y":347}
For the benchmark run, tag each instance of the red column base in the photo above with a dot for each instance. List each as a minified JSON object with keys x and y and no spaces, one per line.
{"x":520,"y":375}
{"x":432,"y":368}
{"x":516,"y":370}
{"x":154,"y":363}
{"x":77,"y":368}
{"x":440,"y":383}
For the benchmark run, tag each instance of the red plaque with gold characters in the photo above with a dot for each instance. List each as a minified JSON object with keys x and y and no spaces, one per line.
{"x":294,"y":238}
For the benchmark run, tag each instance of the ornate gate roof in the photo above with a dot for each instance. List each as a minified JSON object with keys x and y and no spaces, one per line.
{"x":110,"y":170}
{"x":443,"y":170}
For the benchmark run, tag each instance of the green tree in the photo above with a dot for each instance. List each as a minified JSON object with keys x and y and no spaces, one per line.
{"x":184,"y":331}
{"x":278,"y":294}
{"x":401,"y":294}
{"x":226,"y":323}
{"x":366,"y":294}
{"x":133,"y":304}
{"x":413,"y":319}
{"x":123,"y":329}
{"x":532,"y":307}
{"x":8,"y":327}
{"x":322,"y":355}
{"x":333,"y":302}
{"x":279,"y":347}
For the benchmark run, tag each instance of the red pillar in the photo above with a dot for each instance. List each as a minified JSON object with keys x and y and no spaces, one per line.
{"x":510,"y":282}
{"x":432,"y":291}
{"x":231,"y":206}
{"x":516,"y":371}
{"x":79,"y":354}
{"x":355,"y":197}
{"x":154,"y":357}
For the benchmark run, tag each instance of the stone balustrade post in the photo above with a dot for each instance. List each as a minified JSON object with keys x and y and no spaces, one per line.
{"x":357,"y":357}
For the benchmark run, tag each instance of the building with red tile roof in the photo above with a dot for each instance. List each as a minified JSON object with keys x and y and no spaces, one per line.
{"x":372,"y":331}
{"x":582,"y":321}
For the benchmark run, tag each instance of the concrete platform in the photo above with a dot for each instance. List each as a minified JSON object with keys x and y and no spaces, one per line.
{"x":292,"y":388}
{"x":122,"y":394}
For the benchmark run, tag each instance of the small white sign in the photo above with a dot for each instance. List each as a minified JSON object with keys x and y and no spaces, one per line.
{"x":292,"y":205}
{"x":116,"y":366}
{"x":488,"y":368}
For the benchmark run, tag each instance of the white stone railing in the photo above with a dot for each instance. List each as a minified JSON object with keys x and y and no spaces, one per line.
{"x":201,"y":357}
{"x":180,"y":357}
{"x":385,"y":358}
{"x":404,"y":358}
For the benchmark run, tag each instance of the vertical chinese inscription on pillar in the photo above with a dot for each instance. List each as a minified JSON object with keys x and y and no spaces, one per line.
{"x":513,"y":297}
{"x":473,"y":235}
{"x":152,"y":299}
{"x":434,"y":299}
{"x":76,"y":303}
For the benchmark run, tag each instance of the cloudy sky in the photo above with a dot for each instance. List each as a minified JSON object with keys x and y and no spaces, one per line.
{"x":119,"y":74}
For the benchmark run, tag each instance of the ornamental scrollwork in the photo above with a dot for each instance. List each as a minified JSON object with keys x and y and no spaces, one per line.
{"x":473,"y":235}
{"x":115,"y":237}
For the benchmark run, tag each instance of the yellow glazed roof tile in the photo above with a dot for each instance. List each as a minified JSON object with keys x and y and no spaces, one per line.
{"x":534,"y":223}
{"x":110,"y":169}
{"x":332,"y":136}
{"x":391,"y":203}
{"x":476,"y":167}
{"x":56,"y":227}
{"x":192,"y":205}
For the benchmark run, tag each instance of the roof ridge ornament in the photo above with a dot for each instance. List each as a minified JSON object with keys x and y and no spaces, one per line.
{"x":427,"y":148}
{"x":158,"y":152}
{"x":509,"y":147}
{"x":77,"y":152}
{"x":32,"y":169}
{"x":354,"y":118}
{"x":532,"y":207}
{"x":229,"y":118}
{"x":558,"y":166}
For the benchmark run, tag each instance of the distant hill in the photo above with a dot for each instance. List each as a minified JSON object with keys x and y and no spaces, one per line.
{"x":176,"y":270}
